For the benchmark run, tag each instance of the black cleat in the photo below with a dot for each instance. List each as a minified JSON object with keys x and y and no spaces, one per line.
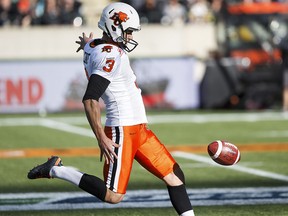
{"x":42,"y":171}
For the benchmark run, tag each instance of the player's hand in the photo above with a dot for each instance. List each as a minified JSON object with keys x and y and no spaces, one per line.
{"x":83,"y":40}
{"x":107,"y":147}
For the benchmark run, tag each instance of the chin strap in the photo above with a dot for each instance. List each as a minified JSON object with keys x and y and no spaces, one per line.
{"x":108,"y":32}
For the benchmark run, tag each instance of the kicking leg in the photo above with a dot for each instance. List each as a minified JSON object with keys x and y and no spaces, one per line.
{"x":156,"y":159}
{"x":177,"y":192}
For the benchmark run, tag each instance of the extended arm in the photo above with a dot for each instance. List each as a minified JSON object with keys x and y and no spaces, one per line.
{"x":83,"y":40}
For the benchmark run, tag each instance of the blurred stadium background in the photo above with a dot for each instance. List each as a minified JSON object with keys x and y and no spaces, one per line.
{"x":198,"y":61}
{"x":194,"y":54}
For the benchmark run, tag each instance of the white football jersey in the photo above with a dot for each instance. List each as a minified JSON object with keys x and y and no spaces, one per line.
{"x":123,"y":100}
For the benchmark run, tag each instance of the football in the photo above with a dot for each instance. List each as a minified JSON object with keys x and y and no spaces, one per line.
{"x":224,"y":153}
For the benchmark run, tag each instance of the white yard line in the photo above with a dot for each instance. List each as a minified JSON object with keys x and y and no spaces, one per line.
{"x":63,"y":123}
{"x":157,"y":119}
{"x":222,"y":117}
{"x":87,"y":132}
{"x":51,"y":123}
{"x":12,"y":122}
{"x":67,"y":128}
{"x":239,"y":168}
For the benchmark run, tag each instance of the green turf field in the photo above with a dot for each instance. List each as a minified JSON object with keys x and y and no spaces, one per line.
{"x":246,"y":130}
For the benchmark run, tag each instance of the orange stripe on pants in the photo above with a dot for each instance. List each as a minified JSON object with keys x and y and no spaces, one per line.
{"x":136,"y":142}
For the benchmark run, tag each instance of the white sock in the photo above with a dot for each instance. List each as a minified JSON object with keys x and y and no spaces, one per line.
{"x":66,"y":173}
{"x":188,"y":213}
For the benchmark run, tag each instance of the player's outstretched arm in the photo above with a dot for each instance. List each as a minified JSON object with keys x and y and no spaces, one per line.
{"x":83,"y":40}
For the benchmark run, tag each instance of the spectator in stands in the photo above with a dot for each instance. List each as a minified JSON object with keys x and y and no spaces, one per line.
{"x":8,"y":12}
{"x":24,"y":13}
{"x":134,"y":3}
{"x":15,"y":13}
{"x":216,"y":6}
{"x":174,"y":13}
{"x":150,"y":12}
{"x":200,"y":11}
{"x":70,"y":12}
{"x":40,"y":12}
{"x":51,"y":13}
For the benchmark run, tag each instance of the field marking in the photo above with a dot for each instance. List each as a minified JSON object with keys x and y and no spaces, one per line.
{"x":64,"y":123}
{"x":67,"y":128}
{"x":143,"y":199}
{"x":88,"y":132}
{"x":236,"y":167}
{"x":94,"y":151}
{"x":219,"y":117}
{"x":156,"y":119}
{"x":205,"y":165}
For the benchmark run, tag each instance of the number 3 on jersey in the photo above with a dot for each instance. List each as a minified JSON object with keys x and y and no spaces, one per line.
{"x":109,"y":65}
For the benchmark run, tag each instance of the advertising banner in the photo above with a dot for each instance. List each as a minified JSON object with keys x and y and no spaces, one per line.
{"x":36,"y":86}
{"x":169,"y":82}
{"x":53,"y":86}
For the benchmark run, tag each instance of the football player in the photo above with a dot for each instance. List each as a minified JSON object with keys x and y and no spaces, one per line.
{"x":125,"y":136}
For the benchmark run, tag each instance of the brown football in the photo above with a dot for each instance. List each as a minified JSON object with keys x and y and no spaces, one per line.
{"x":224,"y":153}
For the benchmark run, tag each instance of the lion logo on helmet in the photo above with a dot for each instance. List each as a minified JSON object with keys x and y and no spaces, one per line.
{"x":119,"y":18}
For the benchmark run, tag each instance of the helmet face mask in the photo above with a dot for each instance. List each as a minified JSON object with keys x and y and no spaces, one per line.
{"x":117,"y":19}
{"x":127,"y":43}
